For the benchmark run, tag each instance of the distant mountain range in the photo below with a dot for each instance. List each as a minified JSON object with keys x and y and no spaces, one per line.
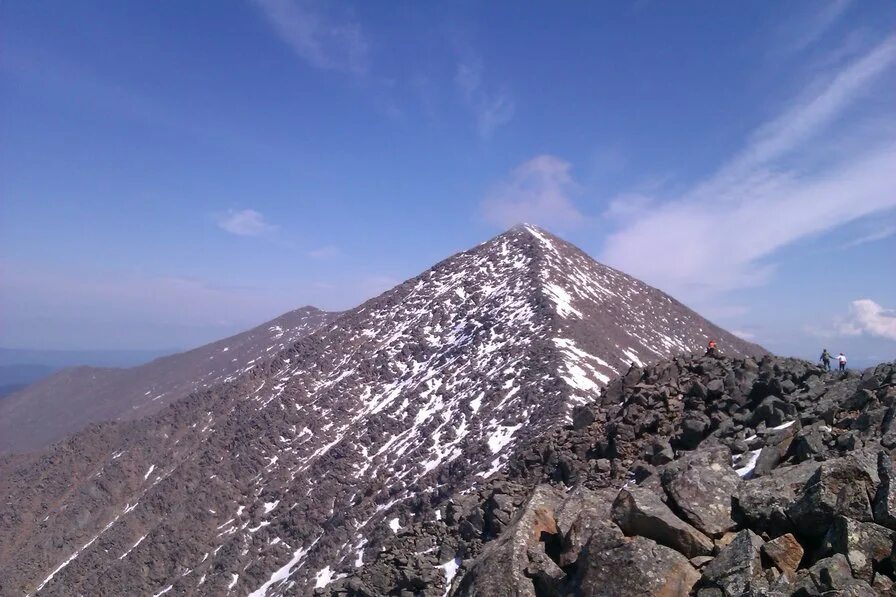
{"x":20,"y":367}
{"x":285,"y":462}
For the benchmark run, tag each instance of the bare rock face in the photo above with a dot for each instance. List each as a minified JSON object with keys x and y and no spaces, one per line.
{"x":634,"y":566}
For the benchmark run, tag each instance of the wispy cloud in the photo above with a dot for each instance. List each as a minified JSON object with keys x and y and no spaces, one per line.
{"x":717,"y":235}
{"x":491,"y":108}
{"x":326,"y":252}
{"x":745,"y":335}
{"x":880,"y":234}
{"x":245,"y":222}
{"x":801,"y":36}
{"x":318,"y":37}
{"x":537,"y":191}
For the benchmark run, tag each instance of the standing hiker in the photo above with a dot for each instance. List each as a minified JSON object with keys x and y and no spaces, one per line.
{"x":711,"y":349}
{"x":842,"y":360}
{"x":826,"y":359}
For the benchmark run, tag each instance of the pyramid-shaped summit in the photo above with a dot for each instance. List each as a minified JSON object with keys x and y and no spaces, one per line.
{"x":283,"y":478}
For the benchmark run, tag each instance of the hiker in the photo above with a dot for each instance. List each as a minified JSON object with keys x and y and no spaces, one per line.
{"x":842,"y":360}
{"x":711,"y":349}
{"x":826,"y":359}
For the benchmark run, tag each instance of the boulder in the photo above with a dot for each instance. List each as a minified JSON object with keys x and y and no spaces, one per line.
{"x":639,"y":511}
{"x":636,"y":565}
{"x":762,"y":503}
{"x":832,"y":576}
{"x":777,"y":447}
{"x":785,"y":552}
{"x":840,"y":486}
{"x":583,"y":514}
{"x":702,"y":489}
{"x":885,"y":499}
{"x":866,"y":545}
{"x":694,"y":428}
{"x":737,"y":570}
{"x":503,"y":565}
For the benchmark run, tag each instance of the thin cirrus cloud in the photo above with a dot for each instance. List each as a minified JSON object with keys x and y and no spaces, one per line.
{"x":245,"y":222}
{"x":325,"y":252}
{"x":323,"y":40}
{"x":802,"y":35}
{"x":491,"y":108}
{"x":537,"y":191}
{"x":878,"y":235}
{"x":707,"y":239}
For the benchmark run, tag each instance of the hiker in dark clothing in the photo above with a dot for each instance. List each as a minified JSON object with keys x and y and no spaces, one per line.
{"x":826,"y":359}
{"x":711,"y":349}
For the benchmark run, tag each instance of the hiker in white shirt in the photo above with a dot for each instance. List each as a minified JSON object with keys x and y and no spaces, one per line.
{"x":842,"y":360}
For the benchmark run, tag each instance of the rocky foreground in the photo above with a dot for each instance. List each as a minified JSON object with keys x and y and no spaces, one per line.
{"x":699,"y":476}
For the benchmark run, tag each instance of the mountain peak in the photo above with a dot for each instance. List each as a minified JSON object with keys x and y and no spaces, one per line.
{"x":299,"y":464}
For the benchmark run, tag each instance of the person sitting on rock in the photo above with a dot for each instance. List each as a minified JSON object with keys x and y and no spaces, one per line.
{"x":842,"y":360}
{"x":826,"y":359}
{"x":711,"y":349}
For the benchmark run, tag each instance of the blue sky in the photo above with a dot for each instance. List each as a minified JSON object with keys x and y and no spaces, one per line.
{"x":173,"y":172}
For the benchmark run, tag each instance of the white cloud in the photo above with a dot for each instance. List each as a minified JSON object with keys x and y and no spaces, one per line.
{"x":320,"y":39}
{"x":867,"y":317}
{"x":718,"y":235}
{"x":491,"y":109}
{"x":537,"y":191}
{"x":245,"y":222}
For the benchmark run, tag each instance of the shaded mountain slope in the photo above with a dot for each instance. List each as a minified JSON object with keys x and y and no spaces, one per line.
{"x":275,"y":480}
{"x":68,"y":400}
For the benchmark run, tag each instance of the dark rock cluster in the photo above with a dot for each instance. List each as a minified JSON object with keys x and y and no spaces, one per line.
{"x":702,"y":476}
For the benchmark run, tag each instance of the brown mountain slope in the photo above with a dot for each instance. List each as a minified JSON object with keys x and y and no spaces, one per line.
{"x":275,"y":481}
{"x":67,"y":401}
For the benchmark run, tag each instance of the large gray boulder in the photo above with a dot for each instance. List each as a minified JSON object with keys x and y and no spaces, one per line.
{"x":583,"y":514}
{"x":885,"y":500}
{"x":832,"y":576}
{"x":866,"y":545}
{"x":840,"y":486}
{"x":639,"y":511}
{"x":635,"y":566}
{"x":737,"y":570}
{"x":762,"y":503}
{"x":702,"y":489}
{"x":505,"y":566}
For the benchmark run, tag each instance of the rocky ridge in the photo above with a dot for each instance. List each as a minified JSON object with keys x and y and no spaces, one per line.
{"x":702,"y":476}
{"x":69,"y":400}
{"x":285,"y":477}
